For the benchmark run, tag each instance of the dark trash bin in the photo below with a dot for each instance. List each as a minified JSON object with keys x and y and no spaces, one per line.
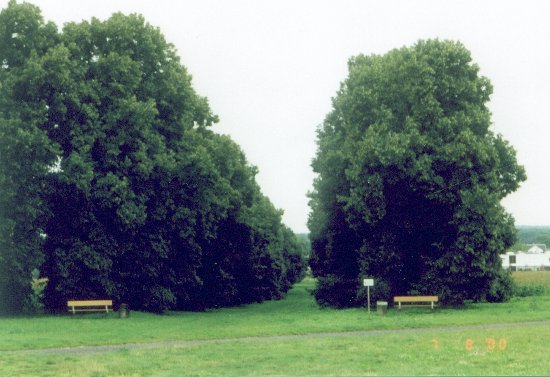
{"x":123,"y":311}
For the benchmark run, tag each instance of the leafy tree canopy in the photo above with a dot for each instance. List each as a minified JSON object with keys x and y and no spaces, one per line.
{"x":114,"y":184}
{"x":410,"y":179}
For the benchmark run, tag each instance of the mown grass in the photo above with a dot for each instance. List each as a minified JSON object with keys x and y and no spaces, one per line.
{"x":398,"y":353}
{"x":517,"y":351}
{"x":297,"y":314}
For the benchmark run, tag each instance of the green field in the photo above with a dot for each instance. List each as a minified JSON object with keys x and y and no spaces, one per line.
{"x":532,"y":278}
{"x":288,"y":337}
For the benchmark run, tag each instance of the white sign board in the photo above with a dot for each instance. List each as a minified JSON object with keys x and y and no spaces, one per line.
{"x":368,"y":282}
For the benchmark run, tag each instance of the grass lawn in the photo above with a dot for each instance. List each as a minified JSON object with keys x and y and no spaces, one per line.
{"x":510,"y":351}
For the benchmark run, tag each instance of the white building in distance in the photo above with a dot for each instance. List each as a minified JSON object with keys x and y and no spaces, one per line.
{"x":534,"y":259}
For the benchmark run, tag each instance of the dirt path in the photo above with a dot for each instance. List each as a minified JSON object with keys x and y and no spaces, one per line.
{"x":84,"y":350}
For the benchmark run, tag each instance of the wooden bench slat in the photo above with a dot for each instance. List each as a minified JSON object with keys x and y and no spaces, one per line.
{"x":93,"y":310}
{"x":417,"y":305}
{"x":416,"y":298}
{"x":89,"y":302}
{"x":416,"y":301}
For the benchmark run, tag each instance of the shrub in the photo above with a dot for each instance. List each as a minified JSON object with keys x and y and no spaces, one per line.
{"x":38,"y":285}
{"x":334,"y":291}
{"x":529,"y":290}
{"x":502,"y":287}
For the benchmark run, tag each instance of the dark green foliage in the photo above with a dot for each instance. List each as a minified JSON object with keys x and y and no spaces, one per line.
{"x":115,"y":186}
{"x":25,"y":154}
{"x":334,"y":291}
{"x":502,"y":287}
{"x":411,"y":178}
{"x":381,"y":291}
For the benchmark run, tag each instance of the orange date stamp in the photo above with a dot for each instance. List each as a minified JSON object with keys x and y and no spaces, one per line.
{"x":490,"y":344}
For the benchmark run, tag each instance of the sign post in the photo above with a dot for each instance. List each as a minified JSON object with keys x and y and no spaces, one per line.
{"x":368,"y":283}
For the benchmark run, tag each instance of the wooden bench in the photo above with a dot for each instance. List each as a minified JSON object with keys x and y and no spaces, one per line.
{"x":416,"y":301}
{"x":90,"y":306}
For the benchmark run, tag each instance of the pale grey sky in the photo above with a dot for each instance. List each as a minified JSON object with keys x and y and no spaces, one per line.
{"x":270,"y":68}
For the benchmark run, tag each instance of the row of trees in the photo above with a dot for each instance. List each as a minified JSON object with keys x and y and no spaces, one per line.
{"x":112,"y":184}
{"x":410,"y":179}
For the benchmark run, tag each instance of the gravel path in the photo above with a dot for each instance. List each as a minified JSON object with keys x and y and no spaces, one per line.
{"x":84,"y":350}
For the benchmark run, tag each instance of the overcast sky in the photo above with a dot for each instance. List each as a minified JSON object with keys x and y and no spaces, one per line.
{"x":270,"y":68}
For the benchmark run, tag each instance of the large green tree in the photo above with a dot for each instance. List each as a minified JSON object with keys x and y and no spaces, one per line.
{"x":26,"y":154}
{"x":410,"y":179}
{"x":127,"y":193}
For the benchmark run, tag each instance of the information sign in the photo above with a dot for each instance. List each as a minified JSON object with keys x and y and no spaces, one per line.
{"x":368,"y":282}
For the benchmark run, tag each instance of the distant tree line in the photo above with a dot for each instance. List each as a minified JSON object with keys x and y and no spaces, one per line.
{"x":531,"y":235}
{"x":112,"y":184}
{"x":305,"y":243}
{"x":410,"y":179}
